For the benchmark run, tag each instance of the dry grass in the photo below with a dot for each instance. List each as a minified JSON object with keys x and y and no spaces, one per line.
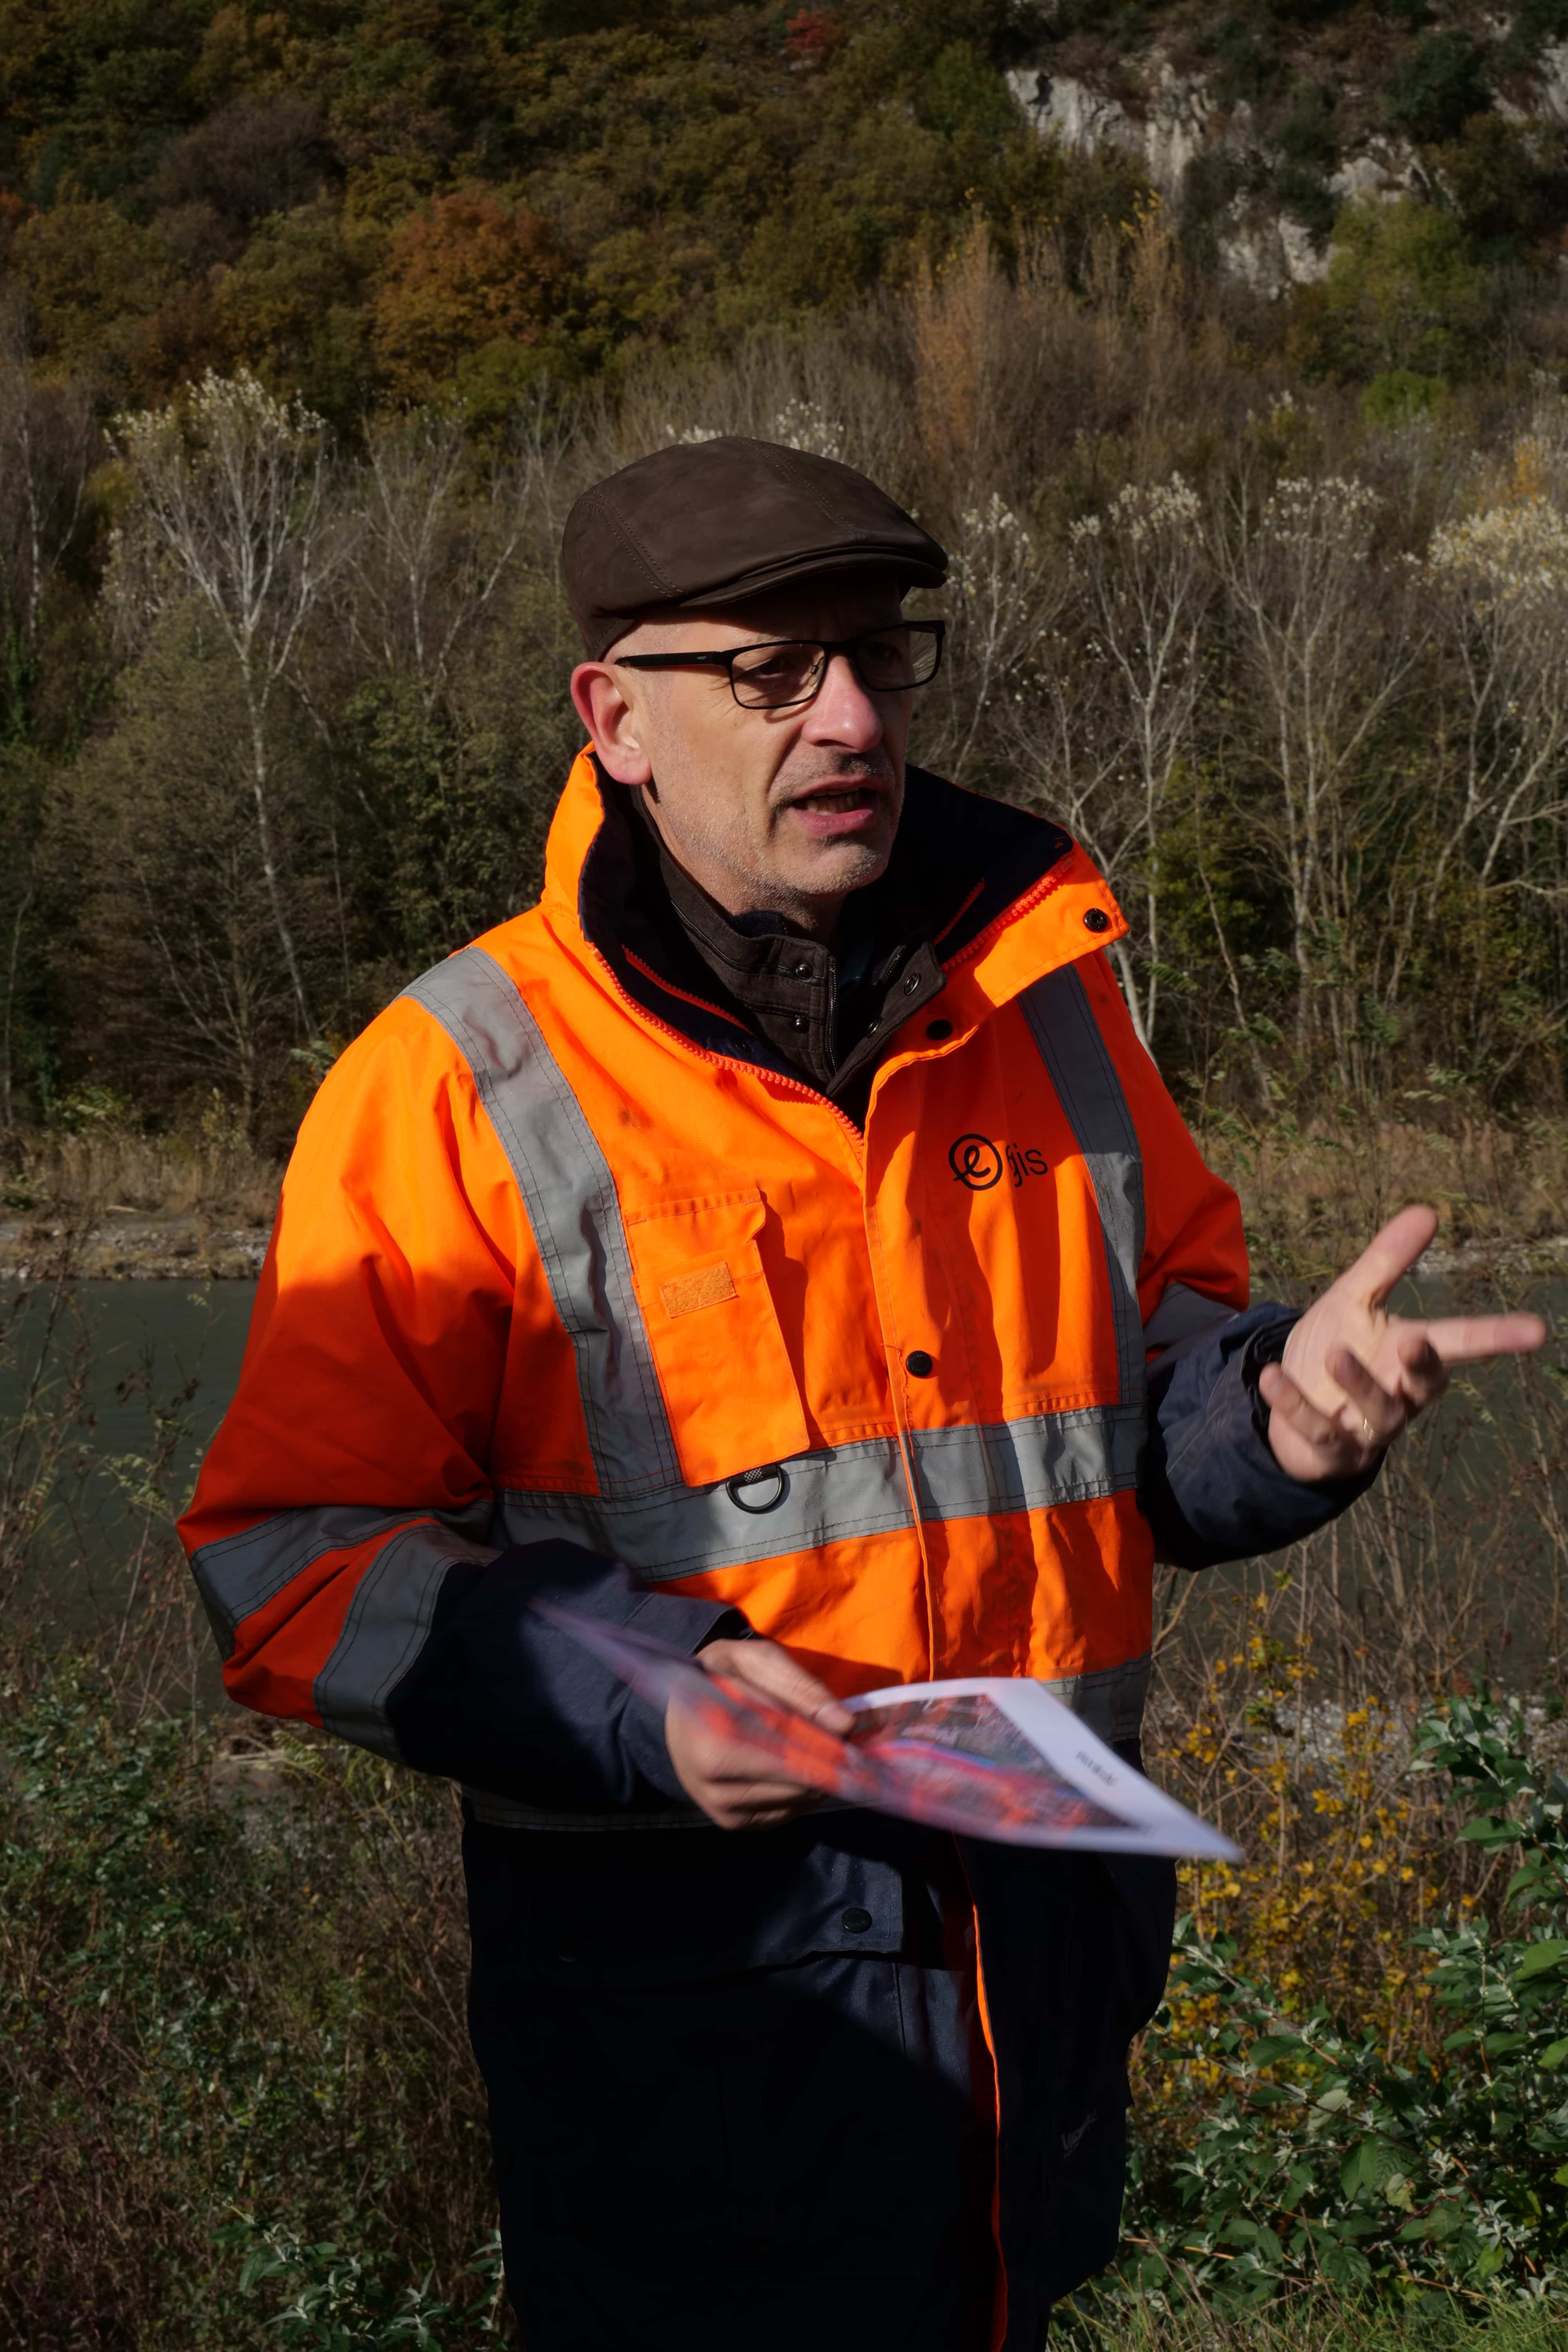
{"x":1315,"y":2323}
{"x":82,"y":1174}
{"x":1312,"y":1195}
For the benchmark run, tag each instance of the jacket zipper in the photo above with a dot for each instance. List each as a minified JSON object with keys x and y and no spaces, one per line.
{"x":726,"y":1061}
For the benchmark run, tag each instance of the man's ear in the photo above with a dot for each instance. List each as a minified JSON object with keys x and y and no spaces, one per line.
{"x":601,"y":703}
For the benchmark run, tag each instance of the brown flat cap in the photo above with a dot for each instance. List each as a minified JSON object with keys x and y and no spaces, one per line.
{"x":711,"y":522}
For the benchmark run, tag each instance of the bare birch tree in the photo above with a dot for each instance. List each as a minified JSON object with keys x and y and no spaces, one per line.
{"x":439,"y":537}
{"x":1502,"y":578}
{"x":1327,"y":646}
{"x":235,"y":497}
{"x":1143,"y":570}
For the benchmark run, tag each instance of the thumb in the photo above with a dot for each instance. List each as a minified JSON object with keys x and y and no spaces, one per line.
{"x":770,"y":1669}
{"x":1390,"y":1254}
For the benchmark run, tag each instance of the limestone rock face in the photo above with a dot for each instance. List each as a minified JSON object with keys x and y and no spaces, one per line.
{"x":1166,"y":121}
{"x":1174,"y":126}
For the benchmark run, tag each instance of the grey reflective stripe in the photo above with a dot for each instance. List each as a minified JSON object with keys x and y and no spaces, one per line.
{"x":846,"y":1490}
{"x":570,"y":1196}
{"x":1037,"y":1462}
{"x":388,"y":1620}
{"x":239,"y":1574}
{"x":1182,"y":1313}
{"x":1109,"y":1700}
{"x":1031,"y":1465}
{"x":1079,"y":1067}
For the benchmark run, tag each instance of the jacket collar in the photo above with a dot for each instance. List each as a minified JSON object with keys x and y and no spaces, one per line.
{"x":1018,"y":890}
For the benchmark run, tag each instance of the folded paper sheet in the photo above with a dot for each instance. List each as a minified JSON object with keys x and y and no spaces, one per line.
{"x":991,"y":1758}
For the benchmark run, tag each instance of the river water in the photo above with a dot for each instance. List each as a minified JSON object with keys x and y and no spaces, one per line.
{"x":145,"y":1371}
{"x":155,"y":1364}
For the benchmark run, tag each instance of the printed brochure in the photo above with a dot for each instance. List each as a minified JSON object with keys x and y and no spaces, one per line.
{"x":991,"y":1758}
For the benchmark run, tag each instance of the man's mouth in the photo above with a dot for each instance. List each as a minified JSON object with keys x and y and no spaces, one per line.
{"x":834,"y":807}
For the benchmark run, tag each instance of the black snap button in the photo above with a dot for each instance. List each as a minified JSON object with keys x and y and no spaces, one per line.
{"x":1097,"y":919}
{"x":855,"y":1921}
{"x":568,"y":1959}
{"x":918,"y":1365}
{"x":911,"y":984}
{"x":871,"y":1027}
{"x":800,"y":971}
{"x":939,"y":1028}
{"x":800,"y":1021}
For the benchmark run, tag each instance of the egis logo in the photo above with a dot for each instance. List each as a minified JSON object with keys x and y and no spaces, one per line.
{"x":978,"y":1163}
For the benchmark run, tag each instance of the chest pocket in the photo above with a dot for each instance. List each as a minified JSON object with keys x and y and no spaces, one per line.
{"x":729,"y":1386}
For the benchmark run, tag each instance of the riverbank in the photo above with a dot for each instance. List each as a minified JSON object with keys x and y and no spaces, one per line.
{"x":130,"y":1207}
{"x":127,"y":1247}
{"x":111,"y":1203}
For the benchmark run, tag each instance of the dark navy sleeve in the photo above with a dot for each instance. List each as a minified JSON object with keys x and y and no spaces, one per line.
{"x":506,"y":1703}
{"x":1212,"y":1489}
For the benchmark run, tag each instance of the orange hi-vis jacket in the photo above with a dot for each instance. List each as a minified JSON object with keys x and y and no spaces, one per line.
{"x":544,"y":1266}
{"x":577,"y":1286}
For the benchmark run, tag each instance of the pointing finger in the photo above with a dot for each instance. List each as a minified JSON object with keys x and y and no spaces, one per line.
{"x":1465,"y":1339}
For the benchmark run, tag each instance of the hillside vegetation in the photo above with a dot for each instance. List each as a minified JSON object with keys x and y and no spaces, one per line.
{"x":381,"y":200}
{"x":1263,"y":598}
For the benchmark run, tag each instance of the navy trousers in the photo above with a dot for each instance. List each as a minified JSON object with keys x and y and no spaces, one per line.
{"x":797,"y":2151}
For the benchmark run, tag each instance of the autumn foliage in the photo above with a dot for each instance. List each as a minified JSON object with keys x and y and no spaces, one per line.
{"x":466,"y":274}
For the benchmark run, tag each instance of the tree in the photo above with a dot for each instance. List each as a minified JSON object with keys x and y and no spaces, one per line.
{"x":440,"y":535}
{"x":48,"y":447}
{"x":1327,"y":641}
{"x":184,"y":988}
{"x":1143,"y":570}
{"x":236,"y":505}
{"x":469,"y":272}
{"x":1402,"y":292}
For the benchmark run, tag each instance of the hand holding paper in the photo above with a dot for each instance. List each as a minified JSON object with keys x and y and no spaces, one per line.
{"x":990,"y":1758}
{"x":739,"y":1785}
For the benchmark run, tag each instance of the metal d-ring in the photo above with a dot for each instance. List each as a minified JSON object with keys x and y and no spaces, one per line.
{"x":773,"y":1483}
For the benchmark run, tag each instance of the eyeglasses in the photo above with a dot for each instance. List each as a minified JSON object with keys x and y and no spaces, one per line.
{"x":783,"y":672}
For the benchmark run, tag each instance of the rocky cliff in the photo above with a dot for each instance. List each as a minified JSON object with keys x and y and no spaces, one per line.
{"x":1260,"y":125}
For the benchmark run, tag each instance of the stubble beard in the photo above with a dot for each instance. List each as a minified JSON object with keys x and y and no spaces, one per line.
{"x":761,"y":882}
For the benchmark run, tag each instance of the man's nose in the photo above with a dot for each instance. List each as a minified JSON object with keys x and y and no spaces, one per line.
{"x":843,"y":713}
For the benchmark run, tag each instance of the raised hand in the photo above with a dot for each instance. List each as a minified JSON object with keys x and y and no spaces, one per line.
{"x":1353,"y":1374}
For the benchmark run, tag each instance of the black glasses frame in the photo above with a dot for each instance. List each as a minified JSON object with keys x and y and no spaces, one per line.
{"x":725,"y":658}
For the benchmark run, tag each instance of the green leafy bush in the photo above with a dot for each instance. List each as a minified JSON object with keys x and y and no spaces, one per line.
{"x":1318,"y":2159}
{"x":342,"y":2303}
{"x":1440,"y":85}
{"x":1399,"y":396}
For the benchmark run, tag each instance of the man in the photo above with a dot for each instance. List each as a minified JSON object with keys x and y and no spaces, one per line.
{"x":784,"y":1213}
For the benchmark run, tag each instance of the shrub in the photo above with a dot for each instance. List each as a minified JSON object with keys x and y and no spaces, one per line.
{"x":1314,"y":2158}
{"x":230,"y":1983}
{"x":1439,"y":86}
{"x":1400,"y":395}
{"x":1402,"y":292}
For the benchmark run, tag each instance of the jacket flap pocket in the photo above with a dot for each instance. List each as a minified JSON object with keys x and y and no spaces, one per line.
{"x":729,"y":1386}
